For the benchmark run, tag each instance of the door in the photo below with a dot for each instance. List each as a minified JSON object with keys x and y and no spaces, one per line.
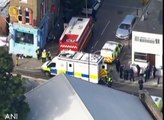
{"x":151,"y":59}
{"x":70,"y":68}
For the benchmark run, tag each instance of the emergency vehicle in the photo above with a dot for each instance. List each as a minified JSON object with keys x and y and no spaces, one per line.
{"x":110,"y":51}
{"x":76,"y":35}
{"x":89,"y":67}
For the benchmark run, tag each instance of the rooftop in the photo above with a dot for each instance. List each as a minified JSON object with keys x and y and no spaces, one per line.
{"x":153,"y":22}
{"x":63,"y":97}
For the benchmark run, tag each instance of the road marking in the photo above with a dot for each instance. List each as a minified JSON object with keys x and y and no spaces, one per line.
{"x":105,"y":27}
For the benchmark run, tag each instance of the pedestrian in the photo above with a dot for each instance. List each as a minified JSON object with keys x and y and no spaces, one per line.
{"x":138,"y":70}
{"x":49,"y":56}
{"x":154,"y":71}
{"x":145,"y":75}
{"x":17,"y":60}
{"x":148,"y":72}
{"x":131,"y":74}
{"x":121,"y":70}
{"x":38,"y":53}
{"x":44,"y":56}
{"x":140,"y":82}
{"x":118,"y":65}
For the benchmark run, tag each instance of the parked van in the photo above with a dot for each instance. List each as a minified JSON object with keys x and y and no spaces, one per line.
{"x":124,"y":29}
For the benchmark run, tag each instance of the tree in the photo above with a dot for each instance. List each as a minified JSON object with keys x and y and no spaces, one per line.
{"x":12,"y":99}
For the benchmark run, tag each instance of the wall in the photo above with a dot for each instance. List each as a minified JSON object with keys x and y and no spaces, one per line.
{"x":152,"y":46}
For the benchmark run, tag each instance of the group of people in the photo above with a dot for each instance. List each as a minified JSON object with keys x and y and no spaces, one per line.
{"x":124,"y":72}
{"x":43,"y":54}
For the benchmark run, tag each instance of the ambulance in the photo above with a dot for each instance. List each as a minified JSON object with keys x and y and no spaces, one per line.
{"x":110,"y":51}
{"x":89,"y":67}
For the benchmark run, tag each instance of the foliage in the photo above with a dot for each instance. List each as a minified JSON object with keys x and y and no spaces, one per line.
{"x":12,"y":99}
{"x":6,"y":63}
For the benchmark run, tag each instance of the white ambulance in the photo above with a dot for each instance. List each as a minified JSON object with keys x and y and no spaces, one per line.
{"x":110,"y":51}
{"x":86,"y":66}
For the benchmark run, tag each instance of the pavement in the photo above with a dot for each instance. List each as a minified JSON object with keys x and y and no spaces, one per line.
{"x":33,"y":66}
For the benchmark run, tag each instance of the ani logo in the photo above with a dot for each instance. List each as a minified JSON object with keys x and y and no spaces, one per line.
{"x":11,"y":116}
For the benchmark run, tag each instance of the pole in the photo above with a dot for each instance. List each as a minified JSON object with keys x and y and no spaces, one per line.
{"x":86,"y":8}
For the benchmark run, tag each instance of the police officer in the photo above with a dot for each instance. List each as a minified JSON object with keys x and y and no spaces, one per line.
{"x":117,"y":65}
{"x":109,"y":81}
{"x":38,"y":53}
{"x":131,"y":74}
{"x":138,"y":70}
{"x":121,"y":70}
{"x":44,"y":56}
{"x":154,"y":71}
{"x":140,"y":82}
{"x":49,"y":56}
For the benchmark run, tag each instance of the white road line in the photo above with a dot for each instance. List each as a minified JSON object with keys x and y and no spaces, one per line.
{"x":105,"y":27}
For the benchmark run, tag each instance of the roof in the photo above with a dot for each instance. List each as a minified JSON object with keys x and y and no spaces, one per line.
{"x":4,"y":5}
{"x":128,"y":19}
{"x":63,"y":97}
{"x":153,"y":22}
{"x":80,"y":56}
{"x":75,"y":29}
{"x":110,"y":45}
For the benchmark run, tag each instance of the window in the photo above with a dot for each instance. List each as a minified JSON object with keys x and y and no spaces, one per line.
{"x":27,"y":18}
{"x":20,"y":14}
{"x":140,"y":57}
{"x":24,"y":38}
{"x":52,"y":65}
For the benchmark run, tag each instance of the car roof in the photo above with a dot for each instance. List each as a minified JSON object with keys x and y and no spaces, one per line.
{"x":128,"y":19}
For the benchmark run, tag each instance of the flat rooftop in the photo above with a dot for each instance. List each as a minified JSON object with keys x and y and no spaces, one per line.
{"x":153,"y":22}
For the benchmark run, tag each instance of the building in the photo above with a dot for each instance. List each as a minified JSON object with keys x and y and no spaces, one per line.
{"x":4,"y":18}
{"x":147,"y":37}
{"x":30,"y":24}
{"x":68,"y":98}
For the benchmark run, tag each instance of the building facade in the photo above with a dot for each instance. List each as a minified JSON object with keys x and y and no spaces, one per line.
{"x":30,"y":25}
{"x":147,"y":38}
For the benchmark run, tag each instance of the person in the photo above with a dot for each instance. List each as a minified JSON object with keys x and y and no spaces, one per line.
{"x":109,"y":81}
{"x":49,"y":56}
{"x":154,"y":71}
{"x":148,"y":72}
{"x":17,"y":60}
{"x":117,"y":65}
{"x":145,"y":75}
{"x":121,"y":70}
{"x":131,"y":74}
{"x":126,"y":74}
{"x":44,"y":56}
{"x":138,"y":70}
{"x":38,"y":53}
{"x":140,"y":82}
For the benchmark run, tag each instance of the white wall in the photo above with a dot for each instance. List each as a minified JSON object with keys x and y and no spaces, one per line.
{"x":152,"y":45}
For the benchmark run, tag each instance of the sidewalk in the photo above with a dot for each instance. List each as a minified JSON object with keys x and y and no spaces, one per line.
{"x":149,"y":83}
{"x":33,"y":65}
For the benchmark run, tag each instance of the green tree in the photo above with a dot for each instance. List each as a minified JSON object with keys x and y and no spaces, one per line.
{"x":12,"y":99}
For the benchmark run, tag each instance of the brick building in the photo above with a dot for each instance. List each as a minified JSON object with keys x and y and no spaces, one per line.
{"x":30,"y":27}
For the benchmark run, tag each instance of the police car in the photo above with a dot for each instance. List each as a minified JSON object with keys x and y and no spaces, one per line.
{"x":110,"y":51}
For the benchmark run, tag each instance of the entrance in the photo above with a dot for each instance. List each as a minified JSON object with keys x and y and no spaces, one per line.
{"x":151,"y":59}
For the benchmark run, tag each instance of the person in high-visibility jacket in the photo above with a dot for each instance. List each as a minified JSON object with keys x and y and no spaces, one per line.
{"x":109,"y":81}
{"x":44,"y":56}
